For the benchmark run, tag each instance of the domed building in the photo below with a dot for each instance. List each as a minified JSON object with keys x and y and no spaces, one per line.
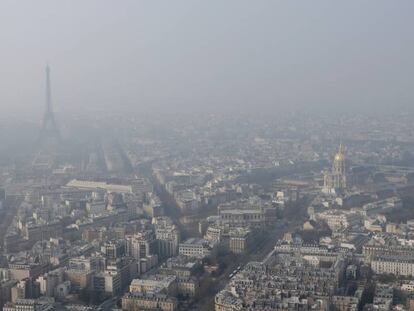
{"x":335,"y":180}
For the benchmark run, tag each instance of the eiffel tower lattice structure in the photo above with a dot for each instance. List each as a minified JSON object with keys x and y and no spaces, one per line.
{"x":49,"y":133}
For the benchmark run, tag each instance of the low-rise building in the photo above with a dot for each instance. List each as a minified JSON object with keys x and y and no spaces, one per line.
{"x":142,"y":301}
{"x":193,"y":247}
{"x":393,"y":265}
{"x":157,"y":284}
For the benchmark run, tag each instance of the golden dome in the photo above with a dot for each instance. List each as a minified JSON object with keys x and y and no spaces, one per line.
{"x":340,"y":156}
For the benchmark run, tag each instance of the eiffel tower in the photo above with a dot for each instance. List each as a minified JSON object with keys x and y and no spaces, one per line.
{"x":49,"y":138}
{"x":49,"y":133}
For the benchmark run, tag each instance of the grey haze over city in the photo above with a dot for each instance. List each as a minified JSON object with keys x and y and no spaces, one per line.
{"x":216,"y":155}
{"x":207,"y":55}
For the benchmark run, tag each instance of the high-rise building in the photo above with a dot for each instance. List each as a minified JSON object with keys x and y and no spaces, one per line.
{"x":114,"y":249}
{"x":167,"y":236}
{"x":49,"y":281}
{"x":141,"y":245}
{"x":25,"y":289}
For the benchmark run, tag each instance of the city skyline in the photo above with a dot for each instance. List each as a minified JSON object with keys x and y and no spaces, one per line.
{"x":206,"y":155}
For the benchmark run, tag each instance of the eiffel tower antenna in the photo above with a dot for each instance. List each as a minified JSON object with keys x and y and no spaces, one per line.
{"x":50,"y":131}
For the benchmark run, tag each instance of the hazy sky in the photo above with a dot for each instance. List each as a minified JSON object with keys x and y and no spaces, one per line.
{"x":235,"y":54}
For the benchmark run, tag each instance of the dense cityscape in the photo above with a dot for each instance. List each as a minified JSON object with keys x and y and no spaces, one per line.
{"x":198,"y":155}
{"x":211,"y":213}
